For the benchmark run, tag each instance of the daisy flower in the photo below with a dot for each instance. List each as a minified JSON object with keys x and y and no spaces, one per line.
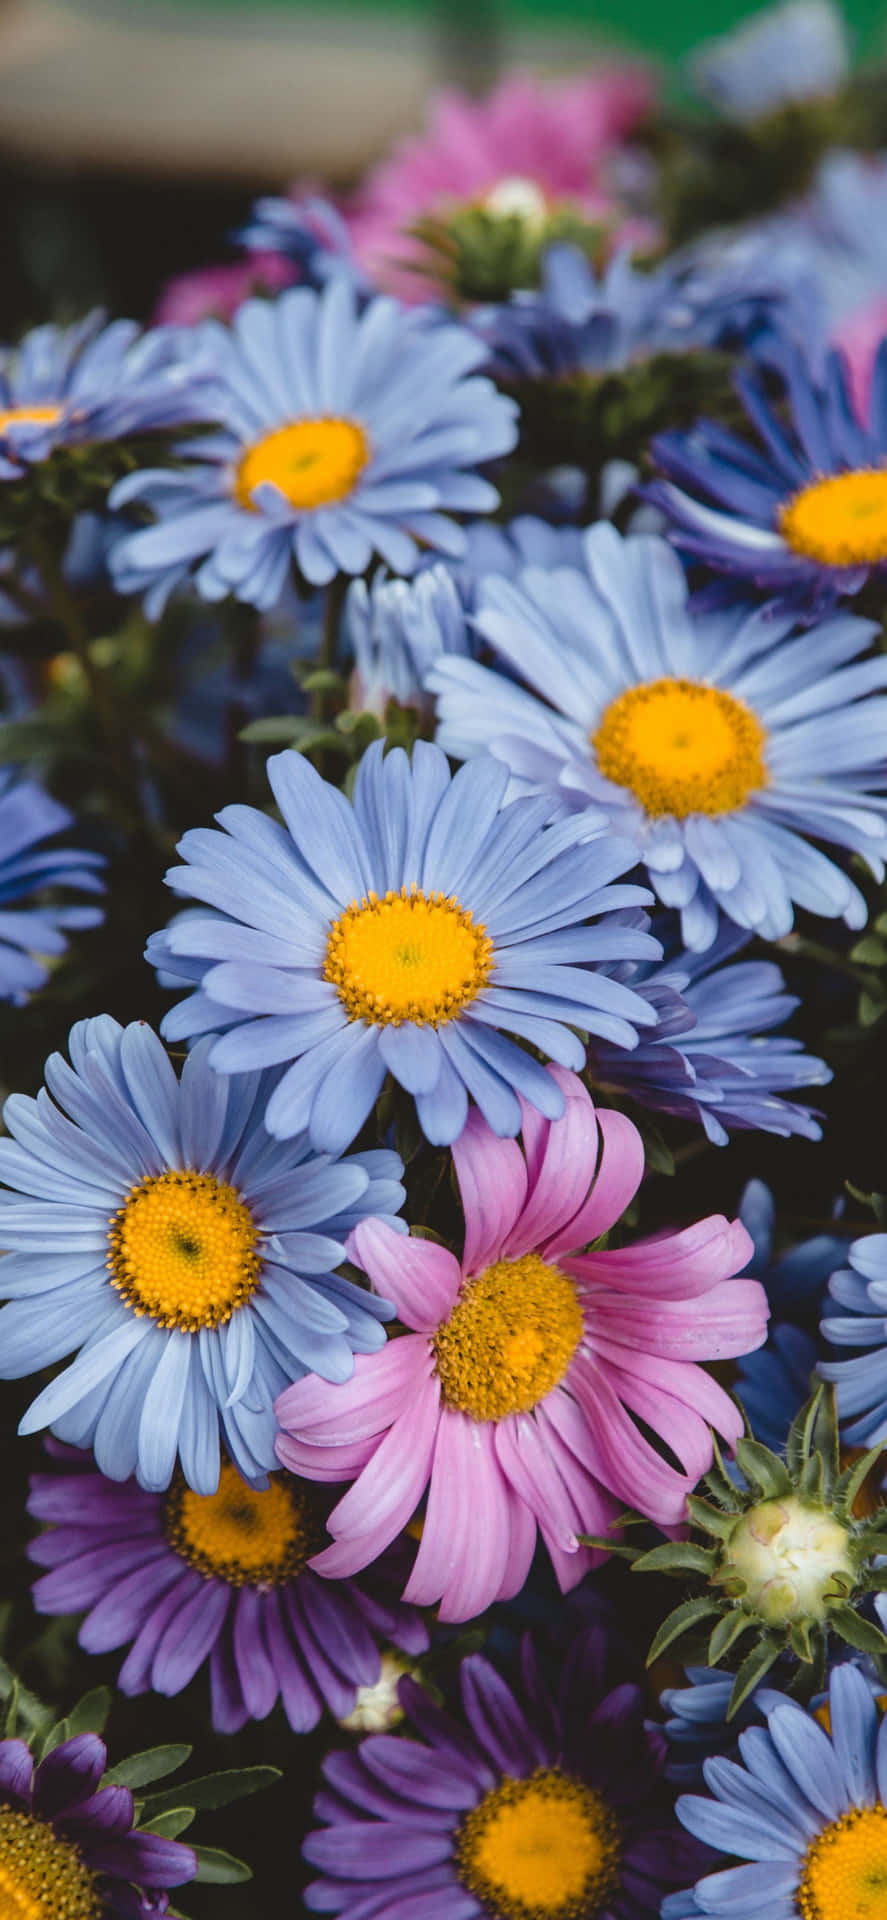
{"x":804,"y":1809}
{"x":69,"y":1846}
{"x":407,"y":933}
{"x":717,"y":742}
{"x":67,"y":386}
{"x":804,"y":514}
{"x":531,"y":1802}
{"x":860,"y":1289}
{"x":28,"y":819}
{"x":342,"y":434}
{"x":512,"y":1399}
{"x":781,"y":55}
{"x":153,"y":1228}
{"x":184,"y":1578}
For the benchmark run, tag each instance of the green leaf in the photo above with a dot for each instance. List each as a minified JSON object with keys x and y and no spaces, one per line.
{"x":851,"y":1480}
{"x":871,"y":1007}
{"x":753,"y":1669}
{"x":91,"y":1712}
{"x":718,"y":1482}
{"x":800,"y":1434}
{"x":141,"y":1768}
{"x":728,"y":1630}
{"x":677,"y":1557}
{"x":870,"y":951}
{"x":215,"y":1868}
{"x":763,"y":1469}
{"x":170,"y":1824}
{"x":214,"y":1789}
{"x":323,"y":680}
{"x":810,"y":1483}
{"x":273,"y":729}
{"x":857,"y":1632}
{"x":681,"y":1620}
{"x":825,"y":1433}
{"x":605,"y":1545}
{"x":799,"y":1635}
{"x":10,"y":1720}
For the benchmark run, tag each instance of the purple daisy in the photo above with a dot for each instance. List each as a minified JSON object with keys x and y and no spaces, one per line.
{"x":533,"y":1805}
{"x":68,"y":1846}
{"x":184,"y":1578}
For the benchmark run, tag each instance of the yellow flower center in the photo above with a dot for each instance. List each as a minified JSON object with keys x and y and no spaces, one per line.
{"x":411,"y":956}
{"x":845,"y":1869}
{"x":509,"y":1339}
{"x":544,"y":1846}
{"x":42,"y":1877}
{"x":38,"y":416}
{"x":310,"y":462}
{"x":840,"y":521}
{"x":183,"y":1248}
{"x":682,"y":748}
{"x":248,"y":1538}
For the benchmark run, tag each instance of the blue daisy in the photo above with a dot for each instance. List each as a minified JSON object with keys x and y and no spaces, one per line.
{"x":803,"y":1809}
{"x":701,"y":736}
{"x":711,"y":1057}
{"x":697,"y":1726}
{"x":590,"y":322}
{"x":308,"y":230}
{"x":28,"y":868}
{"x":410,"y":933}
{"x":782,"y":55}
{"x":860,"y":1289}
{"x":154,"y":1230}
{"x":794,"y":1280}
{"x":343,"y":434}
{"x":805,"y":514}
{"x":63,"y":386}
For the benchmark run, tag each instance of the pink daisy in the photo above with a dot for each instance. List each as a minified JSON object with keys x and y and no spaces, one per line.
{"x":528,"y":147}
{"x":511,"y":1399}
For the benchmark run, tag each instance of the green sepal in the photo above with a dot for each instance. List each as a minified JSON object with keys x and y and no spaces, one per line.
{"x":858,"y":1632}
{"x":169,"y":1825}
{"x":851,"y":1480}
{"x":763,"y":1469}
{"x":681,"y":1620}
{"x":710,"y":1518}
{"x":812,"y":1480}
{"x":753,"y":1669}
{"x":10,"y":1718}
{"x":869,"y":1541}
{"x":141,"y":1768}
{"x":799,"y":1635}
{"x":88,"y":1715}
{"x":800,"y":1435}
{"x":727,"y":1631}
{"x":605,"y":1545}
{"x":718,"y":1482}
{"x":213,"y":1790}
{"x":826,"y":1440}
{"x":677,"y":1557}
{"x":216,"y":1868}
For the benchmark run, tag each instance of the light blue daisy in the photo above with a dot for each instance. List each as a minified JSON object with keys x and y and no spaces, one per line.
{"x":408,"y":933}
{"x":719,"y":742}
{"x":804,"y":1810}
{"x":713,"y":1057}
{"x":860,"y":1289}
{"x":344,"y":433}
{"x":29,"y":869}
{"x":64,"y":386}
{"x":188,"y":1262}
{"x":782,"y":55}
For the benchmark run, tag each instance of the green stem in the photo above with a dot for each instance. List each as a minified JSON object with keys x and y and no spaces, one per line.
{"x":65,"y":609}
{"x":329,"y":645}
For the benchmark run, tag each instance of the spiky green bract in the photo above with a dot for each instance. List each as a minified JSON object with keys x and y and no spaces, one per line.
{"x":477,"y":254}
{"x":782,"y":1558}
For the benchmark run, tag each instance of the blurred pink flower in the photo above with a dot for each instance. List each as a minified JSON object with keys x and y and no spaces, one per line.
{"x":511,"y":1399}
{"x":529,"y":146}
{"x":215,"y":293}
{"x":859,"y":336}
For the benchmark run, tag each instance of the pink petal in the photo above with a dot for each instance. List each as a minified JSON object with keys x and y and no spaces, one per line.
{"x":463,"y":1556}
{"x":594,"y":1509}
{"x":682,"y":1382}
{"x":619,"y":1175}
{"x":522,"y":1547}
{"x":528,"y":1467}
{"x":630,"y":1467}
{"x":325,"y":1414}
{"x":670,"y":1266}
{"x":492,"y":1180}
{"x":565,"y":1172}
{"x":385,"y":1496}
{"x":421,"y":1278}
{"x":733,"y":1321}
{"x":323,"y":1463}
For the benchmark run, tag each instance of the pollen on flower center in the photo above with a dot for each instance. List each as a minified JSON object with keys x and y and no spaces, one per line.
{"x":845,"y":1869}
{"x":184,"y":1249}
{"x":408,"y":956}
{"x":37,"y":416}
{"x":246,"y":1536}
{"x":547,"y":1845}
{"x":682,"y":747}
{"x":840,"y":521}
{"x":509,"y":1339}
{"x":311,"y":462}
{"x":41,"y":1876}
